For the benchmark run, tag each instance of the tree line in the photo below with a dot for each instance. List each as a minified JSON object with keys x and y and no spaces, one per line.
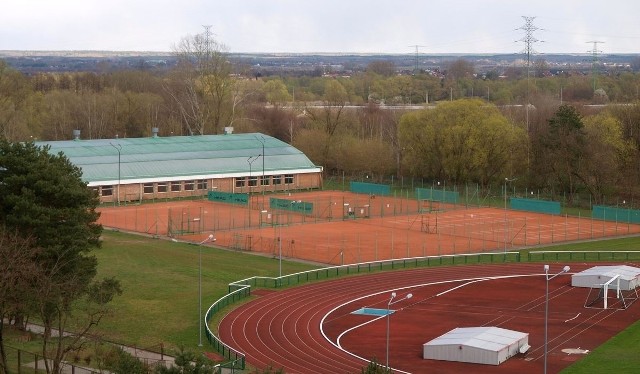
{"x":475,"y":128}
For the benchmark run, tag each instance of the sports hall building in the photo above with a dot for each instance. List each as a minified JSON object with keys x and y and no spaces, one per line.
{"x":136,"y":169}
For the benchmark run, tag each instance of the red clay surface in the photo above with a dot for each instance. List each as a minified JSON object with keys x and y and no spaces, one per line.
{"x":394,"y":228}
{"x":300,"y":329}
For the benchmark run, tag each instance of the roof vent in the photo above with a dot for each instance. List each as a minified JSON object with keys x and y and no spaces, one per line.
{"x":76,"y":134}
{"x":154,"y":132}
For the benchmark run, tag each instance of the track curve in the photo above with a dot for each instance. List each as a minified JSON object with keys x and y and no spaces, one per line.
{"x":296,"y":329}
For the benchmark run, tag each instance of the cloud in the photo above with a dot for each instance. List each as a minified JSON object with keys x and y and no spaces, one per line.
{"x":461,"y":26}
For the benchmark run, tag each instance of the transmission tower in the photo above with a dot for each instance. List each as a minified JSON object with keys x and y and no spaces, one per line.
{"x":594,"y":62}
{"x":528,"y":41}
{"x":415,"y":70}
{"x":528,"y":38}
{"x":207,"y":40}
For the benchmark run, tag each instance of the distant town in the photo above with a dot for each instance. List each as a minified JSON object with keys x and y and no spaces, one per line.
{"x":267,"y":64}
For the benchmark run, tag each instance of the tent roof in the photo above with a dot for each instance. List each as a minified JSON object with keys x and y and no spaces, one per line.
{"x":488,"y":338}
{"x":626,"y":272}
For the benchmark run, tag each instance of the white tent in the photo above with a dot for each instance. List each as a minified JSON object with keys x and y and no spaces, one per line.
{"x":629,"y":277}
{"x":480,"y":345}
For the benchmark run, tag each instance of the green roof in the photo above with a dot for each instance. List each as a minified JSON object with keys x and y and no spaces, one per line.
{"x":180,"y":157}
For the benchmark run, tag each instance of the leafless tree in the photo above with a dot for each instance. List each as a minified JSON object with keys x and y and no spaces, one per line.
{"x":202,"y":87}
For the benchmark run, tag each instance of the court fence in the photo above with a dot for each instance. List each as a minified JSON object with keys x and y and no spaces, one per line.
{"x":617,"y":214}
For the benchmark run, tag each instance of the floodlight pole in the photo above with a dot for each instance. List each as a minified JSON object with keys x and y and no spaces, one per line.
{"x":262,"y":140}
{"x":546,"y":308}
{"x":280,"y":251}
{"x":118,"y":148}
{"x":391,"y":302}
{"x":250,"y":161}
{"x":209,"y":238}
{"x":506,"y":224}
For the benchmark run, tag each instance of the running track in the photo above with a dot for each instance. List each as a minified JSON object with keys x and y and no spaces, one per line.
{"x":297,"y":329}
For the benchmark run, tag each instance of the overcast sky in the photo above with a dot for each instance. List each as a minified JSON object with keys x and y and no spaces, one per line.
{"x":299,"y":26}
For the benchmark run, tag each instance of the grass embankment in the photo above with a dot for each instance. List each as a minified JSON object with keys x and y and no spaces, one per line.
{"x":160,"y":280}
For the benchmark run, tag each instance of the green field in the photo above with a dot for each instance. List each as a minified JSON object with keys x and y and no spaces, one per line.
{"x":160,"y":280}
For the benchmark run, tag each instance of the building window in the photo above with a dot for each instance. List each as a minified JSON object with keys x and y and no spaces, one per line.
{"x":189,"y":185}
{"x":253,"y":181}
{"x":288,"y":179}
{"x":147,"y":188}
{"x":277,"y":179}
{"x":176,"y":186}
{"x":202,"y":184}
{"x":107,"y":190}
{"x":162,"y":187}
{"x":264,"y":180}
{"x":239,"y":182}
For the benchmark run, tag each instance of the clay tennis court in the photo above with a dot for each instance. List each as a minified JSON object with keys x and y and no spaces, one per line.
{"x":349,"y":228}
{"x":311,"y":328}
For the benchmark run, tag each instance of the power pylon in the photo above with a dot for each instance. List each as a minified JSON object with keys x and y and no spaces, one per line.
{"x":415,"y":70}
{"x":594,"y":62}
{"x":529,"y":40}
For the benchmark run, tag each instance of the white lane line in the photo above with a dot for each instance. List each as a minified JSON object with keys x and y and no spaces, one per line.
{"x":571,"y":319}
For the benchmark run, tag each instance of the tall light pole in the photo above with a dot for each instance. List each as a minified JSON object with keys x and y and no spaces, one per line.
{"x":280,"y":251}
{"x":250,"y":161}
{"x":212,"y":239}
{"x":391,"y":302}
{"x":506,"y":224}
{"x":118,"y":148}
{"x":262,"y":140}
{"x":546,"y":308}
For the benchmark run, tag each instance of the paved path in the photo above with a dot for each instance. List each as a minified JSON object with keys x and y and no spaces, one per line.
{"x":145,"y":356}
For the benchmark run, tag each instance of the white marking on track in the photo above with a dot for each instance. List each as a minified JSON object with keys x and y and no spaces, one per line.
{"x":571,"y":319}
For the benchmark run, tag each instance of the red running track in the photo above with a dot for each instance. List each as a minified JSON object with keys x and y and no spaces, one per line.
{"x":299,"y":329}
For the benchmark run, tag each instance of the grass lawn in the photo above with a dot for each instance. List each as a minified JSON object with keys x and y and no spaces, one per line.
{"x":160,"y":280}
{"x":618,"y":355}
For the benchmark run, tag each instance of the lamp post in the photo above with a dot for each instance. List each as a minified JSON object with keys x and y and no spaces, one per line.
{"x":118,"y":148}
{"x":391,"y":302}
{"x":209,"y":238}
{"x":546,"y":307}
{"x":262,"y":140}
{"x":280,"y":251}
{"x":506,"y":224}
{"x":250,"y":161}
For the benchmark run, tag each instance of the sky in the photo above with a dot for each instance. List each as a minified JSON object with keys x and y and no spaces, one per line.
{"x":324,"y":26}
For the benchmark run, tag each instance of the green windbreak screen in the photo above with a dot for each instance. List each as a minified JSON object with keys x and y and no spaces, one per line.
{"x":432,"y":194}
{"x":291,"y":205}
{"x":370,"y":188}
{"x":609,"y":213}
{"x":534,"y":205}
{"x":227,"y":197}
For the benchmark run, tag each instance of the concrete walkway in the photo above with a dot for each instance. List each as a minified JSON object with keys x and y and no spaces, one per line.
{"x":148,"y":357}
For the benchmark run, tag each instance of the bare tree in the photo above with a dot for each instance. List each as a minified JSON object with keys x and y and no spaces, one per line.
{"x":202,"y":86}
